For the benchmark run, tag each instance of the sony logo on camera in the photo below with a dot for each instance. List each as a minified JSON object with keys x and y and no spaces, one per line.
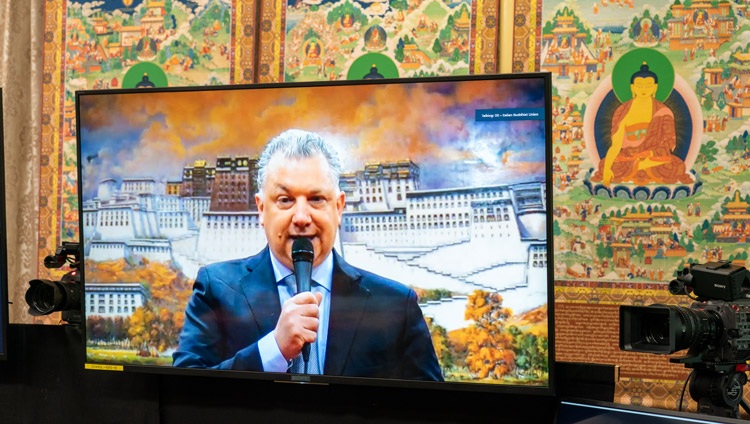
{"x":719,"y":281}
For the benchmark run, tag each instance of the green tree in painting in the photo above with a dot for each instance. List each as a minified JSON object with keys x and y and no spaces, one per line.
{"x":721,"y":101}
{"x":708,"y":231}
{"x":399,"y":4}
{"x":708,"y":153}
{"x":708,"y":101}
{"x":603,"y":251}
{"x":442,"y":344}
{"x":437,"y":47}
{"x":398,"y":53}
{"x":531,"y":353}
{"x":456,"y":55}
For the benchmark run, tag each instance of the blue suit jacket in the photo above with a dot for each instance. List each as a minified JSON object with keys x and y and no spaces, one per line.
{"x":376,"y":328}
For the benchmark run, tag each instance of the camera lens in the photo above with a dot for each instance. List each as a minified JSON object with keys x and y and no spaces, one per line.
{"x":694,"y":327}
{"x":657,"y":334}
{"x":666,"y":329}
{"x":45,"y":296}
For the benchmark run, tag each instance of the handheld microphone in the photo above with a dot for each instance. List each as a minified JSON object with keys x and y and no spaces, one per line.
{"x":302,"y":259}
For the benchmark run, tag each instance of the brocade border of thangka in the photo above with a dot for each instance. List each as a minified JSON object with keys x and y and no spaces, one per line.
{"x":487,"y":24}
{"x":526,"y":35}
{"x":243,"y":42}
{"x":662,"y":394}
{"x":270,"y":52}
{"x":614,"y":293}
{"x":652,"y":393}
{"x":50,"y":169}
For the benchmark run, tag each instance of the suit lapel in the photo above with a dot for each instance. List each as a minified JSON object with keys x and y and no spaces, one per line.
{"x":259,"y":287}
{"x":348,"y":301}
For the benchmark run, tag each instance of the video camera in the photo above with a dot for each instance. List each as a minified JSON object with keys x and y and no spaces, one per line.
{"x":46,"y":296}
{"x":715,"y":330}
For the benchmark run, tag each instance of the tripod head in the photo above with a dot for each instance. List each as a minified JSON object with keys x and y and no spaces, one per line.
{"x":718,"y":388}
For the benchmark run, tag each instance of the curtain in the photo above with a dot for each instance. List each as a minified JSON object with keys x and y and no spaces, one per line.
{"x":21,"y":44}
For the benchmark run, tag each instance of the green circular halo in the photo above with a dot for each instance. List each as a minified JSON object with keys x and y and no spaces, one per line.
{"x":155,"y":74}
{"x":361,"y":66}
{"x":631,"y":62}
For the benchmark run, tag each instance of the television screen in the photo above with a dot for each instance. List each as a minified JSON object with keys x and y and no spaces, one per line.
{"x":430,"y":233}
{"x":3,"y":250}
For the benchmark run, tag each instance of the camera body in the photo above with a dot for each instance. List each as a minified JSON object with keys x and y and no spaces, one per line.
{"x":713,"y":281}
{"x":715,"y":330}
{"x":47,"y":296}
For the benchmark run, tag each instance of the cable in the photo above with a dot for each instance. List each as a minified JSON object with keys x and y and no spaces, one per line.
{"x":682,"y":395}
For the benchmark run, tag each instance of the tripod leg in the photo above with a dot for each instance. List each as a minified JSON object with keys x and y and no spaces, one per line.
{"x":745,"y":406}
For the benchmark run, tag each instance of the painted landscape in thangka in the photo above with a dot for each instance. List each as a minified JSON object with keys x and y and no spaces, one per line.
{"x":131,"y":44}
{"x":351,"y":39}
{"x":651,"y":138}
{"x":187,"y":41}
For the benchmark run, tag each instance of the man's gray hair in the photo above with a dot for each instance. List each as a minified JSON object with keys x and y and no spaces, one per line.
{"x":298,"y":144}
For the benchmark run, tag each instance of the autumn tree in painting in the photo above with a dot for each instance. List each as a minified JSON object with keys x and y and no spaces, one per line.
{"x":158,"y":323}
{"x":154,"y":327}
{"x":489,"y":344}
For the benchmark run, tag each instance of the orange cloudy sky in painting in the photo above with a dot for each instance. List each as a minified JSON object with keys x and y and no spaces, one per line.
{"x":157,"y":133}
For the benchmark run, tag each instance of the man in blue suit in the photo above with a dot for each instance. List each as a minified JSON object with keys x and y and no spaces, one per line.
{"x":243,"y":316}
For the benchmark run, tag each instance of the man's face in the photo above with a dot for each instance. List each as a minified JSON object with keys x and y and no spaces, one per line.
{"x":299,"y":199}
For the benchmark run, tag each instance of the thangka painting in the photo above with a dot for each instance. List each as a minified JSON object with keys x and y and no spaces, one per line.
{"x":143,"y":43}
{"x":318,"y":40}
{"x":651,"y":145}
{"x":114,"y":44}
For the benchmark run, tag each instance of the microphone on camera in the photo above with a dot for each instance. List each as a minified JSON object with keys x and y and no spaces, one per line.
{"x":302,"y":259}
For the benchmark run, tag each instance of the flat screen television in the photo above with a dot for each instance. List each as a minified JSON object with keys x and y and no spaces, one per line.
{"x":3,"y":248}
{"x":447,"y":191}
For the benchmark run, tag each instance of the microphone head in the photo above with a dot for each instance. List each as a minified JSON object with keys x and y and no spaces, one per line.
{"x":302,"y":250}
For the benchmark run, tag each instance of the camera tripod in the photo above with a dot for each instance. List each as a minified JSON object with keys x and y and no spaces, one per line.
{"x":718,"y":389}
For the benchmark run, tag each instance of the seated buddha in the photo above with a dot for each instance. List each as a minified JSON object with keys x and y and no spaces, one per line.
{"x":643,"y":139}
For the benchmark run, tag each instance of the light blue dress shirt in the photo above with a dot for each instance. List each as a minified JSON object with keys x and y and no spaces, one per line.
{"x":270,"y":354}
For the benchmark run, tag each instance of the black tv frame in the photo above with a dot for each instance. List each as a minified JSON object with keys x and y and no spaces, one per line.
{"x":548,"y":390}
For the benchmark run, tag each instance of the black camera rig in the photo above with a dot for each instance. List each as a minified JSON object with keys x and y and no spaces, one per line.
{"x":715,"y":330}
{"x":46,"y":296}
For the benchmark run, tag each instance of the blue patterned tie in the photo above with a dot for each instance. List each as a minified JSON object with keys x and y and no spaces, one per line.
{"x":298,"y":364}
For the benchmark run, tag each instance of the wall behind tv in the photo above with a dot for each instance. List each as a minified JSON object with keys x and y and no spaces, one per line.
{"x":620,"y":244}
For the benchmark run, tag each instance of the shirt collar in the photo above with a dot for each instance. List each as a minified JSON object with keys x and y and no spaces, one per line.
{"x":321,"y":274}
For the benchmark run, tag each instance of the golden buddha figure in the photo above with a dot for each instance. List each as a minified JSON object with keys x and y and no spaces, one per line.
{"x":313,"y":50}
{"x":643,"y":139}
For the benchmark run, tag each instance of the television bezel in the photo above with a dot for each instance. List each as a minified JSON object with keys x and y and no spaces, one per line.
{"x":542,"y":390}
